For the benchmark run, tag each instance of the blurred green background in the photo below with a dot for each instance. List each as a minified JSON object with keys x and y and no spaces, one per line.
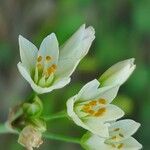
{"x":122,"y":31}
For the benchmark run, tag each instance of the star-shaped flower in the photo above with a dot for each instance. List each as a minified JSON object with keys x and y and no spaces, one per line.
{"x":91,"y":108}
{"x":120,"y":137}
{"x":49,"y":68}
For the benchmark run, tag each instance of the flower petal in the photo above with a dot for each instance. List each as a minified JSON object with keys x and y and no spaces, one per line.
{"x":28,"y":53}
{"x":108,"y":93}
{"x":93,"y":142}
{"x":70,"y":111}
{"x":49,"y":49}
{"x":77,"y":46}
{"x":129,"y":144}
{"x":110,"y":113}
{"x":75,"y":49}
{"x":123,"y":129}
{"x":59,"y":83}
{"x":89,"y":91}
{"x":118,"y":73}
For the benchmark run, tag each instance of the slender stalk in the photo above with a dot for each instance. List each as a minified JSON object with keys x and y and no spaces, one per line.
{"x":3,"y":129}
{"x":59,"y":115}
{"x":61,"y":138}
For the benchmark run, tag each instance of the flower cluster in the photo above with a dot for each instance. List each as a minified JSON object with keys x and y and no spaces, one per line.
{"x":91,"y":109}
{"x":50,"y":68}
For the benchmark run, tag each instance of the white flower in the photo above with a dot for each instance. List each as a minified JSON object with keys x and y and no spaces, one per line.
{"x":120,"y":137}
{"x":118,"y":73}
{"x":49,"y":68}
{"x":91,"y":108}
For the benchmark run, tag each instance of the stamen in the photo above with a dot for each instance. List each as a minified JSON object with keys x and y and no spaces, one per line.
{"x":51,"y":69}
{"x":120,"y":146}
{"x":117,"y":129}
{"x":91,"y":112}
{"x":121,"y":135}
{"x":102,"y":101}
{"x":86,"y":109}
{"x":48,"y":58}
{"x":114,"y":137}
{"x":40,"y":67}
{"x":93,"y":103}
{"x":39,"y":59}
{"x":100,"y":112}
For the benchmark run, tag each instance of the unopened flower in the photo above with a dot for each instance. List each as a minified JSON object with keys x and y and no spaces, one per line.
{"x":120,"y":133}
{"x":49,"y":68}
{"x":91,"y":108}
{"x":118,"y":73}
{"x":30,"y":137}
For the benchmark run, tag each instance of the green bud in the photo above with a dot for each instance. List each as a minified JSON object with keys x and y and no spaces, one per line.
{"x":39,"y":124}
{"x":33,"y":109}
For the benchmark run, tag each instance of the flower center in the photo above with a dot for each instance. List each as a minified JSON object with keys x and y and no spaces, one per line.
{"x":44,"y":72}
{"x":93,"y":108}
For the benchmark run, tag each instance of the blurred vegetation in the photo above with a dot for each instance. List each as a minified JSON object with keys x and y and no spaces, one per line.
{"x":122,"y":31}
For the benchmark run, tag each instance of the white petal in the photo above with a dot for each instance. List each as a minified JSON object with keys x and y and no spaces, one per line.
{"x":130,"y":144}
{"x":108,"y":93}
{"x":99,"y":128}
{"x":93,"y":142}
{"x":70,"y":111}
{"x":111,"y":113}
{"x":28,"y":53}
{"x":75,"y":49}
{"x":118,"y":73}
{"x":126,"y":128}
{"x":66,"y":67}
{"x":59,"y":83}
{"x":89,"y":91}
{"x":49,"y":47}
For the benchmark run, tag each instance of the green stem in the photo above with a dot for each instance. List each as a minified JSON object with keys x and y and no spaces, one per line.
{"x":4,"y":130}
{"x":61,"y":138}
{"x":59,"y":115}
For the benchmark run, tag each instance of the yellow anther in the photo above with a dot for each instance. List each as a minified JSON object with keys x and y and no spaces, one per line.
{"x":86,"y":109}
{"x":100,"y":112}
{"x":117,"y":129}
{"x":93,"y":103}
{"x":39,"y":59}
{"x":91,"y":112}
{"x":114,"y":137}
{"x":120,"y":146}
{"x":51,"y":69}
{"x":102,"y":101}
{"x":121,"y":135}
{"x":48,"y":58}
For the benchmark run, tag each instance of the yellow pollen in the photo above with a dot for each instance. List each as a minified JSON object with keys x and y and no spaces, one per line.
{"x":117,"y":129}
{"x":93,"y":103}
{"x":121,"y":135}
{"x":120,"y":146}
{"x":102,"y":101}
{"x":100,"y":112}
{"x":39,"y":58}
{"x":48,"y":58}
{"x":51,"y":69}
{"x":86,"y":109}
{"x":91,"y":112}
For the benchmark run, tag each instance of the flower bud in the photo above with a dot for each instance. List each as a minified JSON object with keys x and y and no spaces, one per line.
{"x":33,"y":109}
{"x":30,"y":138}
{"x":118,"y":73}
